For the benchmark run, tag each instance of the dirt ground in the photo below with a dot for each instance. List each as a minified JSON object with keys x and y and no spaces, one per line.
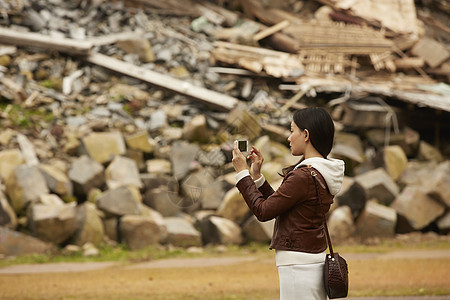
{"x":406,"y":273}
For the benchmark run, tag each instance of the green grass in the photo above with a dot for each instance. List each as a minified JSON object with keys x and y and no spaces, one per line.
{"x":121,"y":253}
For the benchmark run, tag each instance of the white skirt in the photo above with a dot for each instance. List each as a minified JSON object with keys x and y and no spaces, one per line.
{"x":303,"y":282}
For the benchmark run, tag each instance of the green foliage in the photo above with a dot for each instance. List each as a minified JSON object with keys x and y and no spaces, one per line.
{"x":26,"y":118}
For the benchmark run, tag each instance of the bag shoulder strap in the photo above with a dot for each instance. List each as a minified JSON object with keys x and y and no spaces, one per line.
{"x":324,"y":220}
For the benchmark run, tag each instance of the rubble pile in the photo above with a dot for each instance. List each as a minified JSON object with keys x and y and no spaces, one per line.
{"x":118,"y":118}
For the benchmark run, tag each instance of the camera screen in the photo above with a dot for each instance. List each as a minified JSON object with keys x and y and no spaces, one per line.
{"x":242,"y":145}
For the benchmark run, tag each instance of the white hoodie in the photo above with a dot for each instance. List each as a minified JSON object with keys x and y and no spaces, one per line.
{"x":331,"y":169}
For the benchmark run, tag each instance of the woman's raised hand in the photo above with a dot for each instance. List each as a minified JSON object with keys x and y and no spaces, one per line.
{"x":239,"y":160}
{"x":257,"y":160}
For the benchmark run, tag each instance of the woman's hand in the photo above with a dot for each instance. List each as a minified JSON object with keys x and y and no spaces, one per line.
{"x":239,"y":160}
{"x":257,"y":160}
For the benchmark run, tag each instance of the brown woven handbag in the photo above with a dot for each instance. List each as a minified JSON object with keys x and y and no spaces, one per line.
{"x":336,"y":269}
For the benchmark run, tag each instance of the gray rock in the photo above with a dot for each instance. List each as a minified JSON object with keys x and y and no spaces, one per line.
{"x":340,"y":224}
{"x":438,"y":183}
{"x":379,"y":185}
{"x":138,"y":232}
{"x":183,"y":155}
{"x":181,"y":233}
{"x":233,"y":207}
{"x":86,"y":174}
{"x":25,"y":185}
{"x":416,"y":173}
{"x":103,"y":146}
{"x":122,"y":171}
{"x":158,"y":119}
{"x":348,"y":147}
{"x":417,"y":207}
{"x":153,"y":181}
{"x":15,"y":243}
{"x":218,"y":230}
{"x":166,"y":202}
{"x":120,"y":201}
{"x":8,"y":218}
{"x":52,"y":223}
{"x":57,"y":181}
{"x":376,"y":221}
{"x":111,"y":226}
{"x":257,"y":231}
{"x":89,"y":226}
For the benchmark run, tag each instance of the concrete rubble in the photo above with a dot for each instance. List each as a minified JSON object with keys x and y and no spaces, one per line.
{"x":117,"y":118}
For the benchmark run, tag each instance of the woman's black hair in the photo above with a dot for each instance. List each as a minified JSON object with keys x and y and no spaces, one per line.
{"x":320,"y":126}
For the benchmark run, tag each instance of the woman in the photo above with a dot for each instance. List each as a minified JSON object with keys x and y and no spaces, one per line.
{"x":298,"y":239}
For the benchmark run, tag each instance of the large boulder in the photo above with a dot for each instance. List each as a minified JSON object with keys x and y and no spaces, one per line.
{"x":353,"y":195}
{"x":218,"y":230}
{"x":25,"y":185}
{"x":9,"y":159}
{"x":379,"y":185}
{"x":140,"y":231}
{"x":8,"y":218}
{"x":57,"y":181}
{"x":438,"y":183}
{"x":86,"y":174}
{"x":14,"y":243}
{"x":417,"y":207}
{"x":393,"y":159}
{"x":348,"y":147}
{"x":233,"y":207}
{"x":163,"y":200}
{"x":181,"y":233}
{"x":257,"y":231}
{"x":376,"y":221}
{"x":119,"y":202}
{"x":122,"y":171}
{"x":89,"y":226}
{"x":182,"y":156}
{"x":52,"y":223}
{"x":340,"y":224}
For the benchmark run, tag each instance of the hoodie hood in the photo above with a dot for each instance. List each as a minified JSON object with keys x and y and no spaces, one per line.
{"x":331,"y":169}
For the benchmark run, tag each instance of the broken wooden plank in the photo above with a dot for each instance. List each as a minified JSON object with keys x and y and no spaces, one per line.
{"x":271,"y":30}
{"x":211,"y":98}
{"x":30,"y":39}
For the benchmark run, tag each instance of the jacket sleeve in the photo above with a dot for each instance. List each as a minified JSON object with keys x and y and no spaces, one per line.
{"x":289,"y":194}
{"x":266,"y":190}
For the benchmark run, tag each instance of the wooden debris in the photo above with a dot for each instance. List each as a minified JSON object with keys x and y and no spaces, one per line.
{"x":277,"y":64}
{"x":271,"y":30}
{"x":211,"y":98}
{"x":29,"y":39}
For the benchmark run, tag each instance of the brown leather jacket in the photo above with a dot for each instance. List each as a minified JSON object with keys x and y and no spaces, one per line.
{"x":298,"y":224}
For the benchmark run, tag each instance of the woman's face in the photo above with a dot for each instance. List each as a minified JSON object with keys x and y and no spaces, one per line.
{"x":297,"y":140}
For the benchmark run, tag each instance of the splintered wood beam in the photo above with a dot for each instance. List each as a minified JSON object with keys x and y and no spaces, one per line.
{"x":30,"y":39}
{"x":211,"y":98}
{"x":271,"y":30}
